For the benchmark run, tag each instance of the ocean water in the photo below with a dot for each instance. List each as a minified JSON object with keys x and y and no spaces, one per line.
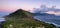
{"x":2,"y":19}
{"x":1,"y":16}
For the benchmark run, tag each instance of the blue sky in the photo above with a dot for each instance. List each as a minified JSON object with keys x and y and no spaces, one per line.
{"x":12,"y":5}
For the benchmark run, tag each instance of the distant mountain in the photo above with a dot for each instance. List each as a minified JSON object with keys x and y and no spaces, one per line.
{"x":46,"y":15}
{"x":24,"y":19}
{"x":48,"y":18}
{"x":3,"y":14}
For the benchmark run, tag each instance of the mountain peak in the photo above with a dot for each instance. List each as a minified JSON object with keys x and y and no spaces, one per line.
{"x":20,"y":13}
{"x":19,"y":10}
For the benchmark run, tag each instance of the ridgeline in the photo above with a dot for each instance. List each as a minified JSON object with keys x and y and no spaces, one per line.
{"x":24,"y":19}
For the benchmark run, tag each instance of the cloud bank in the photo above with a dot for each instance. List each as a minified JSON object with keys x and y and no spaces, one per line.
{"x":49,"y":10}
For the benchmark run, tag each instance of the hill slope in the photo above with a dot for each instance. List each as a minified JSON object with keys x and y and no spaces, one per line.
{"x":24,"y":19}
{"x":48,"y":17}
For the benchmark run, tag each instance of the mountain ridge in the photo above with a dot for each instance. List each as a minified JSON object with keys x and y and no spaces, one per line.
{"x":23,"y":19}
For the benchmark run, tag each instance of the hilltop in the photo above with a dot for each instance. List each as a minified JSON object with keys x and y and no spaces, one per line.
{"x":24,"y":19}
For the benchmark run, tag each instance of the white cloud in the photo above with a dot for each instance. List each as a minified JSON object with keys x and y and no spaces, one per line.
{"x":45,"y":9}
{"x":52,"y":12}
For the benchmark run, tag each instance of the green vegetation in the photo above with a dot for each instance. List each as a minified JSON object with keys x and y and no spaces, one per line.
{"x":24,"y":19}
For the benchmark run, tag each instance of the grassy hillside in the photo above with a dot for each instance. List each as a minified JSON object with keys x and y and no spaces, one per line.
{"x":24,"y":19}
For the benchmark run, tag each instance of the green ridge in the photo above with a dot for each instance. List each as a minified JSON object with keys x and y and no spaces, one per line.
{"x":24,"y":19}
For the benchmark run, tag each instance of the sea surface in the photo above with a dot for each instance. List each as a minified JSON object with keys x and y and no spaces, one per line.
{"x":1,"y":16}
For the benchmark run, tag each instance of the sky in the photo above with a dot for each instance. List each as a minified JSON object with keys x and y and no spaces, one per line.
{"x":12,"y":5}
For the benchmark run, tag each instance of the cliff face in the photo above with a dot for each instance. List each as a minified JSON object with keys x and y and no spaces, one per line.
{"x":24,"y":19}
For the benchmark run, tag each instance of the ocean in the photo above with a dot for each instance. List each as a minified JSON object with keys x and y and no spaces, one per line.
{"x":1,"y":16}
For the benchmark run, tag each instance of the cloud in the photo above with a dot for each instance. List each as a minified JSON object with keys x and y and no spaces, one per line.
{"x":51,"y":12}
{"x":45,"y":9}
